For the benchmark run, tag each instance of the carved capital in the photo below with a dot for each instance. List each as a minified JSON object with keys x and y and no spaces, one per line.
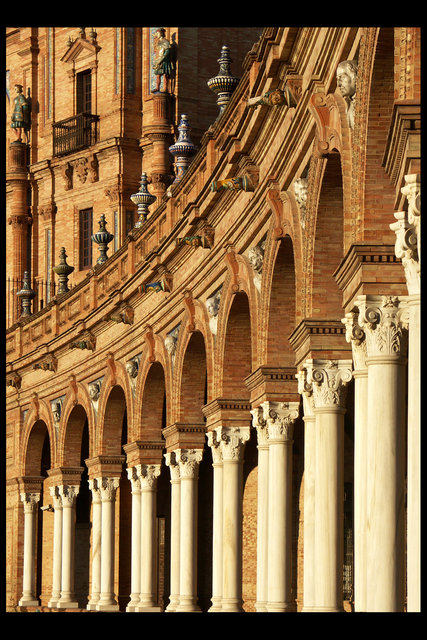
{"x":68,"y":494}
{"x":56,"y":497}
{"x":94,"y":486}
{"x":329,"y":379}
{"x":233,"y":440}
{"x":214,"y":444}
{"x":172,"y":463}
{"x":189,"y":460}
{"x":280,"y":418}
{"x":305,"y":389}
{"x":148,"y":474}
{"x":385,"y":322}
{"x":108,"y":488}
{"x":30,"y":500}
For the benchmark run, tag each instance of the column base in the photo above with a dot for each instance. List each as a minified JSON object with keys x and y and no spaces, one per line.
{"x":67,"y":604}
{"x":231,"y":606}
{"x":92,"y":606}
{"x":216,"y":605}
{"x":319,"y":609}
{"x":260,"y":607}
{"x":24,"y":602}
{"x":153,"y":609}
{"x":280,"y":607}
{"x":188,"y":607}
{"x":107,"y":607}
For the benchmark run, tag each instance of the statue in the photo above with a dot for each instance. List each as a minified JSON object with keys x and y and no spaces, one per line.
{"x":21,"y":115}
{"x":162,"y":65}
{"x":346,"y":81}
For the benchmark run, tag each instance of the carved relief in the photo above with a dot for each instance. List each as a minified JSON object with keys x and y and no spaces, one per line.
{"x":280,"y":418}
{"x":256,"y":258}
{"x":171,"y":341}
{"x":233,"y":440}
{"x":67,"y":174}
{"x":212,"y":306}
{"x":301,"y":191}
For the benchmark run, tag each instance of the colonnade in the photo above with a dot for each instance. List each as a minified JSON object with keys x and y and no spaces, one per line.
{"x":384,"y":334}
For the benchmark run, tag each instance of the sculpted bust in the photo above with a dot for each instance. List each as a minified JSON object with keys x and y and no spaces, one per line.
{"x":346,"y":81}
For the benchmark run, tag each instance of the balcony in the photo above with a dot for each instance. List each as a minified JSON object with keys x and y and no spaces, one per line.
{"x":74,"y":134}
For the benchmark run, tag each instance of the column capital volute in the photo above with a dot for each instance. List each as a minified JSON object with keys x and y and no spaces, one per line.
{"x":214,"y":445}
{"x":56,"y":497}
{"x":94,"y":486}
{"x":172,"y":463}
{"x":68,"y":494}
{"x":355,"y":335}
{"x":148,"y":474}
{"x":329,"y":380}
{"x":259,"y":423}
{"x":305,"y":389}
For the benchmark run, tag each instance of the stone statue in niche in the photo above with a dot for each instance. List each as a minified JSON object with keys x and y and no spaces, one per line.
{"x":21,"y":115}
{"x":212,"y":306}
{"x":162,"y":65}
{"x":301,"y":190}
{"x":346,"y":81}
{"x":256,"y":258}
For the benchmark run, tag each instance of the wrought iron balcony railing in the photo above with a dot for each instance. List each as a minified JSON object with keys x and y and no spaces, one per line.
{"x":75,"y":133}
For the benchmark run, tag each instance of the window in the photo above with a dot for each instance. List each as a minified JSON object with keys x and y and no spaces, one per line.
{"x":85,"y":233}
{"x":84,"y":92}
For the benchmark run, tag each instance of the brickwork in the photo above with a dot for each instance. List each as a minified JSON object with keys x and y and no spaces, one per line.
{"x":317,"y":257}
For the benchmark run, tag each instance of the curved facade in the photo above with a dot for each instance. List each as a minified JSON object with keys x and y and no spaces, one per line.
{"x":209,"y":419}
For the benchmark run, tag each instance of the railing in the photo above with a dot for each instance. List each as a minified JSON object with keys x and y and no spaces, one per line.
{"x":75,"y":133}
{"x":44,"y":290}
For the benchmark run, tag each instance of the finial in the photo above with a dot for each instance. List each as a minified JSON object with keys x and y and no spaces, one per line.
{"x":143,"y":199}
{"x":26,"y":294}
{"x":224,"y":83}
{"x":183,"y":149}
{"x":102,"y":237}
{"x":63,"y":270}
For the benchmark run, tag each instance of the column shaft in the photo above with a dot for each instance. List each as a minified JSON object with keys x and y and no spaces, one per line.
{"x":96,"y":543}
{"x":173,"y":465}
{"x":148,"y":600}
{"x":217,"y":543}
{"x":57,"y":547}
{"x":68,"y":494}
{"x":30,"y":501}
{"x":107,"y":601}
{"x":135,"y":539}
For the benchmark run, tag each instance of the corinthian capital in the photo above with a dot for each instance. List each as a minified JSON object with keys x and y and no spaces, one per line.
{"x":233,"y":440}
{"x":30,"y":500}
{"x":406,"y":248}
{"x":189,"y":460}
{"x":329,"y":379}
{"x":108,"y":488}
{"x":68,"y":494}
{"x":305,"y":388}
{"x":385,"y":321}
{"x":356,"y":336}
{"x":280,"y":418}
{"x":214,"y":444}
{"x":260,"y":424}
{"x":148,"y":474}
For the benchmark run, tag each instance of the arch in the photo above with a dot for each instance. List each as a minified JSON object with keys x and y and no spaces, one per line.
{"x":111,"y":421}
{"x":237,"y":349}
{"x":326,"y":297}
{"x":78,"y":396}
{"x":379,"y":193}
{"x":279,"y":305}
{"x":193,"y":380}
{"x":153,"y":404}
{"x":39,"y":423}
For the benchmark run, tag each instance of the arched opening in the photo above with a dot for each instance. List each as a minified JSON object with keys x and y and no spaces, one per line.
{"x":76,"y":451}
{"x":37,"y":463}
{"x":379,"y":191}
{"x":281,"y":316}
{"x":238,"y":350}
{"x":328,"y":243}
{"x":193,"y":381}
{"x":115,"y":436}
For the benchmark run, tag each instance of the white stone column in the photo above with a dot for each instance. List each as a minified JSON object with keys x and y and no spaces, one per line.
{"x":408,"y":248}
{"x":30,"y":501}
{"x":171,"y":462}
{"x":57,"y":547}
{"x":233,"y":440}
{"x":94,"y":486}
{"x":384,"y":322}
{"x":356,"y":336}
{"x":108,"y":488}
{"x":217,"y":522}
{"x":68,"y":495}
{"x":134,"y":477}
{"x":148,"y":478}
{"x":306,"y":392}
{"x":188,"y":460}
{"x":280,"y":418}
{"x":260,"y":425}
{"x":329,"y":379}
